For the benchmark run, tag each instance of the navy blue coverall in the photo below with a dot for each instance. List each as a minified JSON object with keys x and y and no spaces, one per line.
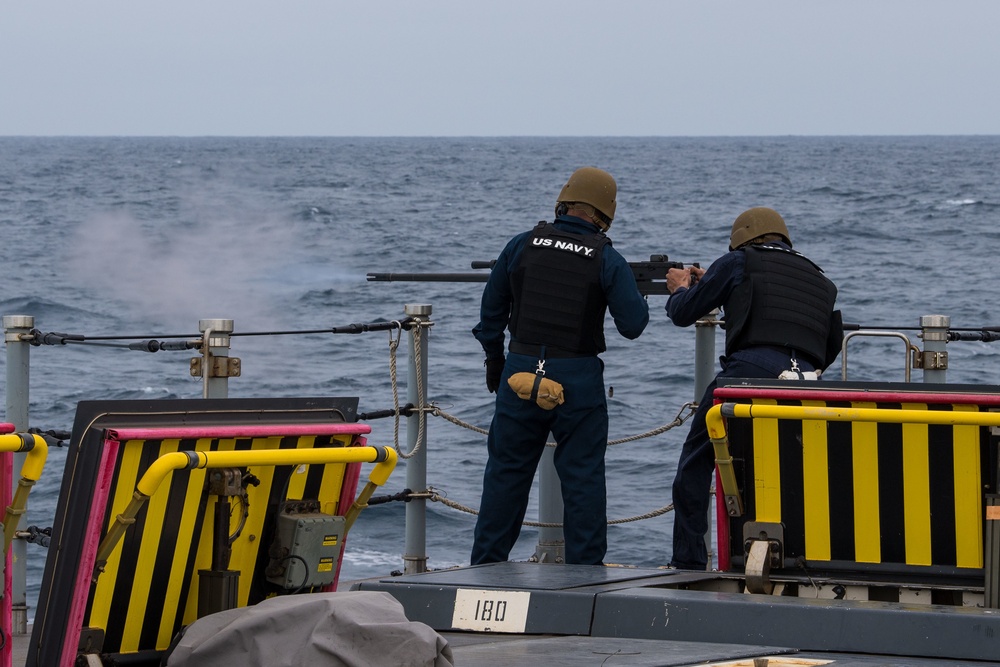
{"x":520,"y":428}
{"x":697,"y":460}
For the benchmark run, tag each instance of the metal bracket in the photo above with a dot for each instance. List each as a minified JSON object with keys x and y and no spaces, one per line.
{"x":734,"y":504}
{"x":91,"y":641}
{"x":768,"y":532}
{"x":730,"y":488}
{"x":221,"y":367}
{"x":225,"y":482}
{"x":763,"y":545}
{"x":930,"y":361}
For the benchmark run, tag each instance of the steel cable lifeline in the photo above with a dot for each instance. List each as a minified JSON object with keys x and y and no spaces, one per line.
{"x":150,"y":342}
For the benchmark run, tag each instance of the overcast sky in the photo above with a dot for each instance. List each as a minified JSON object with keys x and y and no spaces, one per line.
{"x":496,"y":68}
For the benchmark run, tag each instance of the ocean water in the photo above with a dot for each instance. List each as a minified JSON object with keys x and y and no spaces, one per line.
{"x":146,"y":236}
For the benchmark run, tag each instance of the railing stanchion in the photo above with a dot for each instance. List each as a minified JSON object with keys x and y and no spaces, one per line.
{"x":935,"y":355}
{"x":216,"y":364}
{"x":551,"y":546}
{"x":415,"y":556}
{"x":18,"y":375}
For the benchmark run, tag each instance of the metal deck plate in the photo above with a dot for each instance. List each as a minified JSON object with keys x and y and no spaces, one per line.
{"x":476,"y":650}
{"x":576,"y":651}
{"x":817,"y":625}
{"x":633,"y":607}
{"x":531,"y":598}
{"x":529,"y":576}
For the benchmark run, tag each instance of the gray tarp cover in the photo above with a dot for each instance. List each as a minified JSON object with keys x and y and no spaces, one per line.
{"x":352,"y":628}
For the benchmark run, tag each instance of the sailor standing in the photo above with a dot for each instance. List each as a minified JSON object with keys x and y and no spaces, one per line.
{"x":551,"y":287}
{"x":779,"y":315}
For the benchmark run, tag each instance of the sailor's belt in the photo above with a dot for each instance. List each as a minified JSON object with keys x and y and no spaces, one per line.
{"x":550,"y":352}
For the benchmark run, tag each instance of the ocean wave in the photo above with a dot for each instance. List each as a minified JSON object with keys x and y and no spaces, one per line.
{"x":40,"y":308}
{"x":314,"y":213}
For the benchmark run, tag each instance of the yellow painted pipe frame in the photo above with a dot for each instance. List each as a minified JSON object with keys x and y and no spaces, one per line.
{"x":384,"y":458}
{"x":31,"y":471}
{"x":885,"y":415}
{"x":716,"y":425}
{"x":724,"y":460}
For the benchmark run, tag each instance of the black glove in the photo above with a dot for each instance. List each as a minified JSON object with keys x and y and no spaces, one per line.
{"x":494,"y":370}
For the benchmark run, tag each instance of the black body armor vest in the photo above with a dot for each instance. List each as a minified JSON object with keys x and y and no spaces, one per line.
{"x":558,"y":299}
{"x":783,"y":301}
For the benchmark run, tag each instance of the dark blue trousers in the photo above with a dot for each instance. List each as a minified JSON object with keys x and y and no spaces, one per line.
{"x":694,"y":475}
{"x":516,"y":441}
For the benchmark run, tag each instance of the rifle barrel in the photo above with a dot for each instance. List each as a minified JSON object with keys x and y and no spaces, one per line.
{"x":650,"y":277}
{"x":430,"y":277}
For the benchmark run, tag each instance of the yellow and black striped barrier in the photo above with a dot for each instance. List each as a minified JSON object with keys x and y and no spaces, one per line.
{"x":383,"y":457}
{"x":172,"y":509}
{"x":867,"y":483}
{"x":160,"y":523}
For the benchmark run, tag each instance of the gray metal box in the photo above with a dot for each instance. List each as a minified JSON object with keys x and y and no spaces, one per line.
{"x":307,"y":550}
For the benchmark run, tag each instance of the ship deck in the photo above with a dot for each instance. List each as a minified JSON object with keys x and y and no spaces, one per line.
{"x":493,"y":650}
{"x":579,"y":615}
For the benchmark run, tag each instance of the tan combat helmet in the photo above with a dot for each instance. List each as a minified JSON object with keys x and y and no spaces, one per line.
{"x":756,"y":222}
{"x":593,"y":186}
